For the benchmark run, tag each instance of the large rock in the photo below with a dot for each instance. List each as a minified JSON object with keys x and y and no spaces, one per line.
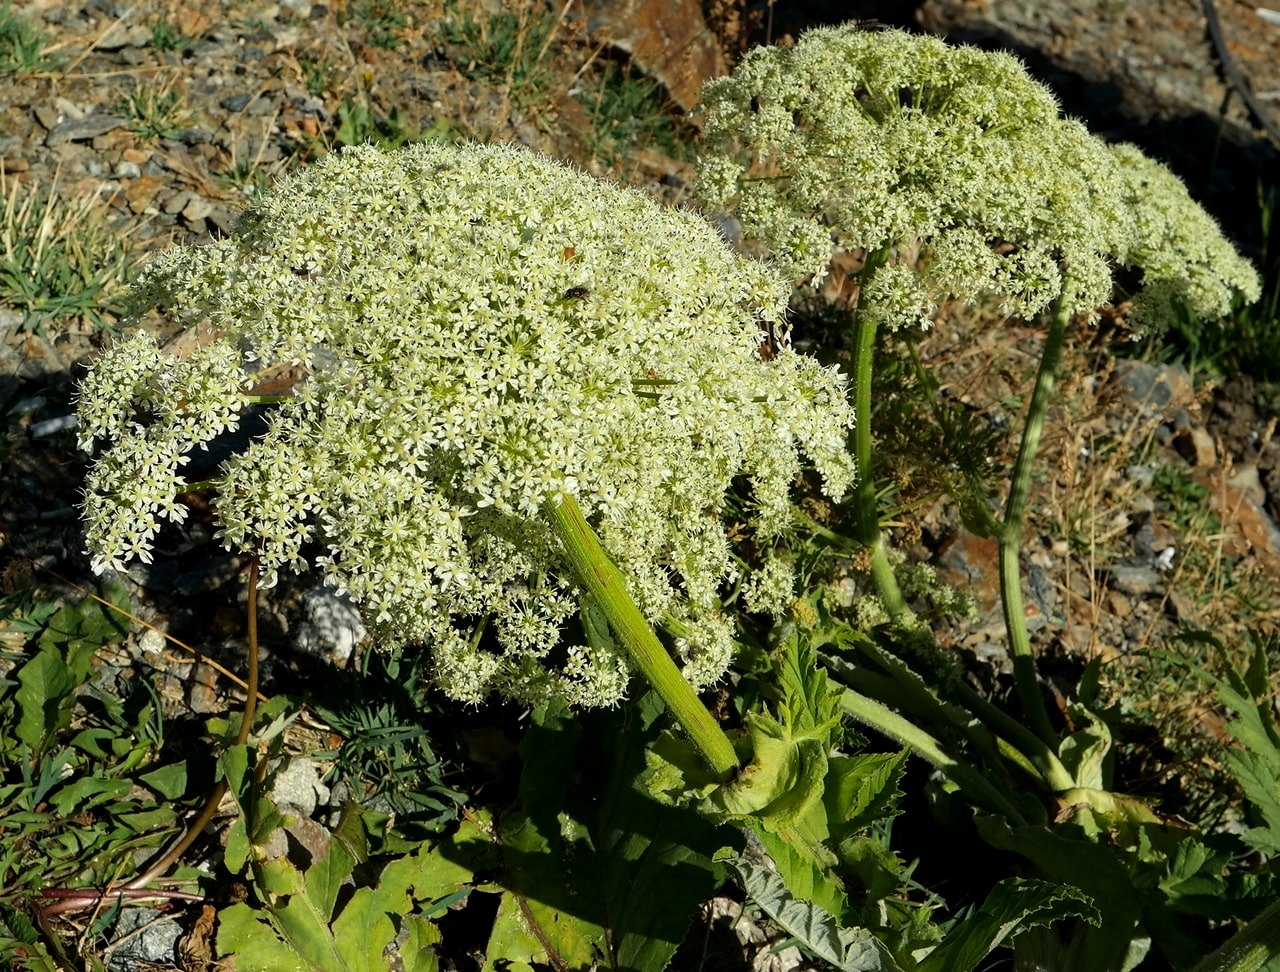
{"x":667,"y":39}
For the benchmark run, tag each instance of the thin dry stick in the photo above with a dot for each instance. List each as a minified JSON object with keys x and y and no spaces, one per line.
{"x":200,"y":656}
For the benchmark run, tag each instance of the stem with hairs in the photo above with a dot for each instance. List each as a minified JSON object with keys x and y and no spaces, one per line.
{"x":1015,"y":617}
{"x":604,"y":582}
{"x":868,"y":518}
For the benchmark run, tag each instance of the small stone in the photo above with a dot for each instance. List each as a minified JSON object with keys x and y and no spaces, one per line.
{"x":197,"y":208}
{"x":223,"y":219}
{"x":331,"y":626}
{"x":47,"y":115}
{"x":235,"y":102}
{"x":146,"y":938}
{"x":135,"y":155}
{"x":118,"y":37}
{"x":1156,"y":387}
{"x":42,"y":430}
{"x":1134,"y":580}
{"x":1247,"y":480}
{"x":177,"y":202}
{"x":139,"y":194}
{"x":1119,"y":604}
{"x":83,"y":129}
{"x":298,"y":785}
{"x":1183,"y":608}
{"x":195,"y":135}
{"x":128,"y":170}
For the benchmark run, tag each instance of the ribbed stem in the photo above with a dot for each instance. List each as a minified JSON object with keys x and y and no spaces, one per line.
{"x":868,"y":517}
{"x":1015,"y":618}
{"x":602,"y":579}
{"x":1249,"y":949}
{"x":887,"y":722}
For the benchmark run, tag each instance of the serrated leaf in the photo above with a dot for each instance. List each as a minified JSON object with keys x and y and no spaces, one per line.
{"x":1093,"y":869}
{"x":805,"y":875}
{"x":1013,"y":906}
{"x":1084,"y":752}
{"x":860,"y":790}
{"x":417,"y":953}
{"x":849,"y":950}
{"x":325,"y":876}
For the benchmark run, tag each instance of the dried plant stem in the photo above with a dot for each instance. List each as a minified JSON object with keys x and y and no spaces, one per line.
{"x":603,"y":581}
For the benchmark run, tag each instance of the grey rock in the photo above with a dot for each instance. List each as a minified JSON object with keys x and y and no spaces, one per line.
{"x":41,"y":430}
{"x":1134,"y":580}
{"x":148,"y":939}
{"x":298,"y":785}
{"x":331,"y":626}
{"x":195,"y":136}
{"x":1157,"y":387}
{"x":120,"y":36}
{"x":235,"y":102}
{"x":82,"y":129}
{"x":128,"y":170}
{"x":197,"y":208}
{"x":177,"y":202}
{"x":47,"y":115}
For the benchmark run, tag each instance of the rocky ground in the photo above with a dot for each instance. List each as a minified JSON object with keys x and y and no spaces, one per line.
{"x":158,"y":118}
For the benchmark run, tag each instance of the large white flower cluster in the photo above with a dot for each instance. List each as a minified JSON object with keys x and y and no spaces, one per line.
{"x":484,"y":330}
{"x":950,"y":158}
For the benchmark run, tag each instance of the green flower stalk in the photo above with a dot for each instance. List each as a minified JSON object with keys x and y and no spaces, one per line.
{"x":484,"y":332}
{"x":952,"y":172}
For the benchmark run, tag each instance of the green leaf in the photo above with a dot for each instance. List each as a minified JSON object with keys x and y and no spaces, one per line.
{"x":861,"y":790}
{"x":1095,"y":870}
{"x":849,"y":950}
{"x":252,"y":944}
{"x":1013,"y":906}
{"x":169,"y":781}
{"x":1085,"y":751}
{"x":654,"y":859}
{"x":806,"y":870}
{"x":79,"y":630}
{"x":45,"y":684}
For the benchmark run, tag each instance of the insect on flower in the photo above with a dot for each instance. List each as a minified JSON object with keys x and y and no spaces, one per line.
{"x":577,"y":293}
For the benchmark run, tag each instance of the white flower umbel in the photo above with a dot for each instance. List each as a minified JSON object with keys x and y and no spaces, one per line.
{"x":485,"y":331}
{"x":950,"y":170}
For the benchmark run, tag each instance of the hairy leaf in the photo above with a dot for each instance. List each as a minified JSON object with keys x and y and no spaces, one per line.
{"x":849,"y":950}
{"x":1013,"y":906}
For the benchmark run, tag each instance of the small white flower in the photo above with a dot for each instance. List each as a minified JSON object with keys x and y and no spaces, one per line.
{"x":455,"y":392}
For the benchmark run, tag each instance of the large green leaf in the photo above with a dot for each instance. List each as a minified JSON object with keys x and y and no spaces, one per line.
{"x":45,"y":684}
{"x":849,"y":950}
{"x":301,"y":926}
{"x":595,"y":870}
{"x":1013,"y":906}
{"x":1094,"y":869}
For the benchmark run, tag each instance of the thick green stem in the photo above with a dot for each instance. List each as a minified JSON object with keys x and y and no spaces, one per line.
{"x":604,"y":582}
{"x":1249,"y":949}
{"x":1015,"y":618}
{"x":868,"y":518}
{"x":887,"y":722}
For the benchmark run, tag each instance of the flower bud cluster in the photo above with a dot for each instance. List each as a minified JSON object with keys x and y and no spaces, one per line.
{"x":484,"y":331}
{"x":949,"y":158}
